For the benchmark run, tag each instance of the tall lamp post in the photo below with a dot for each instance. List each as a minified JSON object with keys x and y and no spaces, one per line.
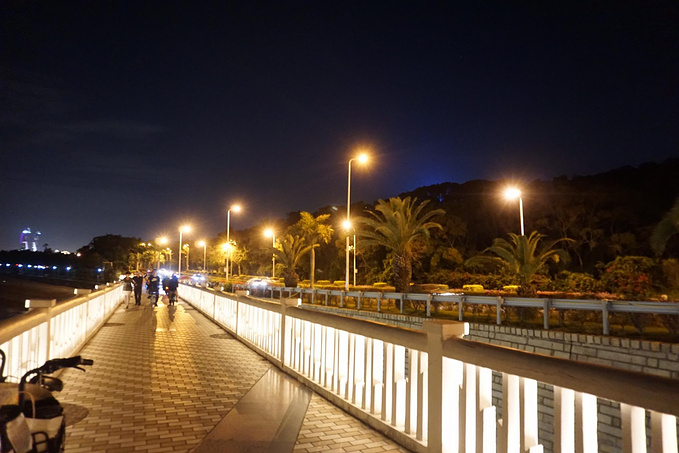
{"x":234,"y":208}
{"x":182,"y":229}
{"x":348,"y":227}
{"x":270,"y":232}
{"x":362,"y":158}
{"x":513,"y":193}
{"x":204,"y":245}
{"x":160,"y":241}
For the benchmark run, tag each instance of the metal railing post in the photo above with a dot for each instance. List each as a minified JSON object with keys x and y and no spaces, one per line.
{"x":498,"y":314}
{"x":605,"y":305}
{"x":546,"y":304}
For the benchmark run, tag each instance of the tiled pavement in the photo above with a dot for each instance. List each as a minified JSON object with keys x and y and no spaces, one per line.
{"x":164,"y":377}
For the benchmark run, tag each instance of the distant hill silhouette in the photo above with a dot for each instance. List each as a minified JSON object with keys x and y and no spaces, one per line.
{"x":608,"y":214}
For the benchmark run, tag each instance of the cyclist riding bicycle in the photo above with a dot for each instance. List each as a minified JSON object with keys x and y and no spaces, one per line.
{"x":171,"y":289}
{"x":153,"y":287}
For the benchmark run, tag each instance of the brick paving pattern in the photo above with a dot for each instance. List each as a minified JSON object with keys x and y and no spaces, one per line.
{"x":164,"y":377}
{"x":328,"y":428}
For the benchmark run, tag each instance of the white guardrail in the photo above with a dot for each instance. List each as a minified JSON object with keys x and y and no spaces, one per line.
{"x":606,"y":307}
{"x":59,"y":330}
{"x":432,"y":390}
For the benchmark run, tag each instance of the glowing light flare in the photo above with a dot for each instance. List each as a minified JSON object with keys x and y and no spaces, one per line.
{"x":346,"y":225}
{"x":363,"y":158}
{"x":512,"y":193}
{"x":236,"y":208}
{"x":201,"y":243}
{"x":268,"y":232}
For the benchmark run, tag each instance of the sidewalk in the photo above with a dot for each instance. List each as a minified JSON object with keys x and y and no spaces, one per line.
{"x":169,"y":380}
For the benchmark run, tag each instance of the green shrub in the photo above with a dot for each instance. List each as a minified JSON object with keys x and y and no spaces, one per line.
{"x":510,"y":288}
{"x":473,"y":288}
{"x":629,"y":276}
{"x":428,"y":288}
{"x":339,"y":282}
{"x":323,"y":282}
{"x":379,"y":285}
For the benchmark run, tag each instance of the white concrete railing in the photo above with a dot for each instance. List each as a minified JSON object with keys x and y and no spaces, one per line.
{"x":605,"y":307}
{"x":31,"y":339}
{"x":432,"y":391}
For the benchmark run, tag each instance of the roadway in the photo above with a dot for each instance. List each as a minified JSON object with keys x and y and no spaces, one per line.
{"x":167,"y":379}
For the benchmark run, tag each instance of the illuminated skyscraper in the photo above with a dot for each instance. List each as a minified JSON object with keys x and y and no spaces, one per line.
{"x":29,"y":240}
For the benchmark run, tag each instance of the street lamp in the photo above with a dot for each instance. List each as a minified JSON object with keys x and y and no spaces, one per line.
{"x":347,"y":226}
{"x":160,"y":241}
{"x":204,"y":245}
{"x":361,"y":158}
{"x":270,"y":232}
{"x":188,"y":249}
{"x":512,"y":193}
{"x":234,"y":208}
{"x":182,"y":229}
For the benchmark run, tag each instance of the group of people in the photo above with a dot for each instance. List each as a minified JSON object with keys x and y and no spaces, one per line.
{"x":152,"y":280}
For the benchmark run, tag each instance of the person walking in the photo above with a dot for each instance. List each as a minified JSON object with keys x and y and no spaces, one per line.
{"x":127,"y":289}
{"x":138,"y":284}
{"x":153,"y":287}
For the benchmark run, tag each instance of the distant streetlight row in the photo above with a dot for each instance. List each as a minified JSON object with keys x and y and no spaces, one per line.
{"x":511,"y":193}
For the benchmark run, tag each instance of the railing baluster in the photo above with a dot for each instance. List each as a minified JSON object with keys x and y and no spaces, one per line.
{"x":663,"y":433}
{"x":511,"y":414}
{"x":633,"y":429}
{"x":529,"y":420}
{"x":564,"y":420}
{"x":484,"y":394}
{"x":585,"y":423}
{"x":387,"y":378}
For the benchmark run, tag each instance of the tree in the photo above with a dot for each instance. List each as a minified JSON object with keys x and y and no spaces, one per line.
{"x":315,"y":231}
{"x":119,"y":250}
{"x":668,"y":227}
{"x":399,"y":225}
{"x":292,"y":249}
{"x":522,"y":257}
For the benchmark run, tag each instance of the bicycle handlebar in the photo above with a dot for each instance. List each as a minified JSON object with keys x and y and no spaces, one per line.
{"x":56,"y":364}
{"x":50,"y":367}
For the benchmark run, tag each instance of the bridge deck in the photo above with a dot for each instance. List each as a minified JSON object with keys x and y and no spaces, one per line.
{"x":169,"y":380}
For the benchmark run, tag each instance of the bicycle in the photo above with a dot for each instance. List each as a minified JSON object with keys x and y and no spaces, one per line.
{"x":36,"y":423}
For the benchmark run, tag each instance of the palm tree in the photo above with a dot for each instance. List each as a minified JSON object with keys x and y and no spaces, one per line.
{"x":292,"y":249}
{"x":399,"y":224}
{"x":668,"y":227}
{"x":522,"y":257}
{"x":315,"y":231}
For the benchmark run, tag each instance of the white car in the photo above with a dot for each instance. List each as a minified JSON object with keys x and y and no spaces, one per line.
{"x":259,"y":283}
{"x":198,"y":279}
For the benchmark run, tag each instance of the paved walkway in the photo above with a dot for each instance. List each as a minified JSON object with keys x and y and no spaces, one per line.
{"x":169,"y":380}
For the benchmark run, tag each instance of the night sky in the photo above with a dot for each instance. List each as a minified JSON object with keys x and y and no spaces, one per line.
{"x":132,"y":118}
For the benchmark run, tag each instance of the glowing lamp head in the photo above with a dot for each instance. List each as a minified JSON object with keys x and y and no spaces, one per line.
{"x":268,"y":233}
{"x":185,"y":229}
{"x":236,"y":208}
{"x":201,"y":244}
{"x":346,"y":224}
{"x":512,"y":193}
{"x":162,"y":240}
{"x":362,"y":158}
{"x":226,"y":246}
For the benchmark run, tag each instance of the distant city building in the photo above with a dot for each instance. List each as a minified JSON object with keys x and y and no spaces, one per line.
{"x":29,"y":240}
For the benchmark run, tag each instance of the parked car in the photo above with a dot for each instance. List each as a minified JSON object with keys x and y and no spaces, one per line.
{"x":198,"y":279}
{"x":259,"y":283}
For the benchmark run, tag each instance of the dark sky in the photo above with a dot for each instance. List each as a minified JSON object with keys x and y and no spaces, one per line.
{"x":133,"y":117}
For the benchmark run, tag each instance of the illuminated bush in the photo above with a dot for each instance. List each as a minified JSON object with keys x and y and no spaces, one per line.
{"x":473,"y":288}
